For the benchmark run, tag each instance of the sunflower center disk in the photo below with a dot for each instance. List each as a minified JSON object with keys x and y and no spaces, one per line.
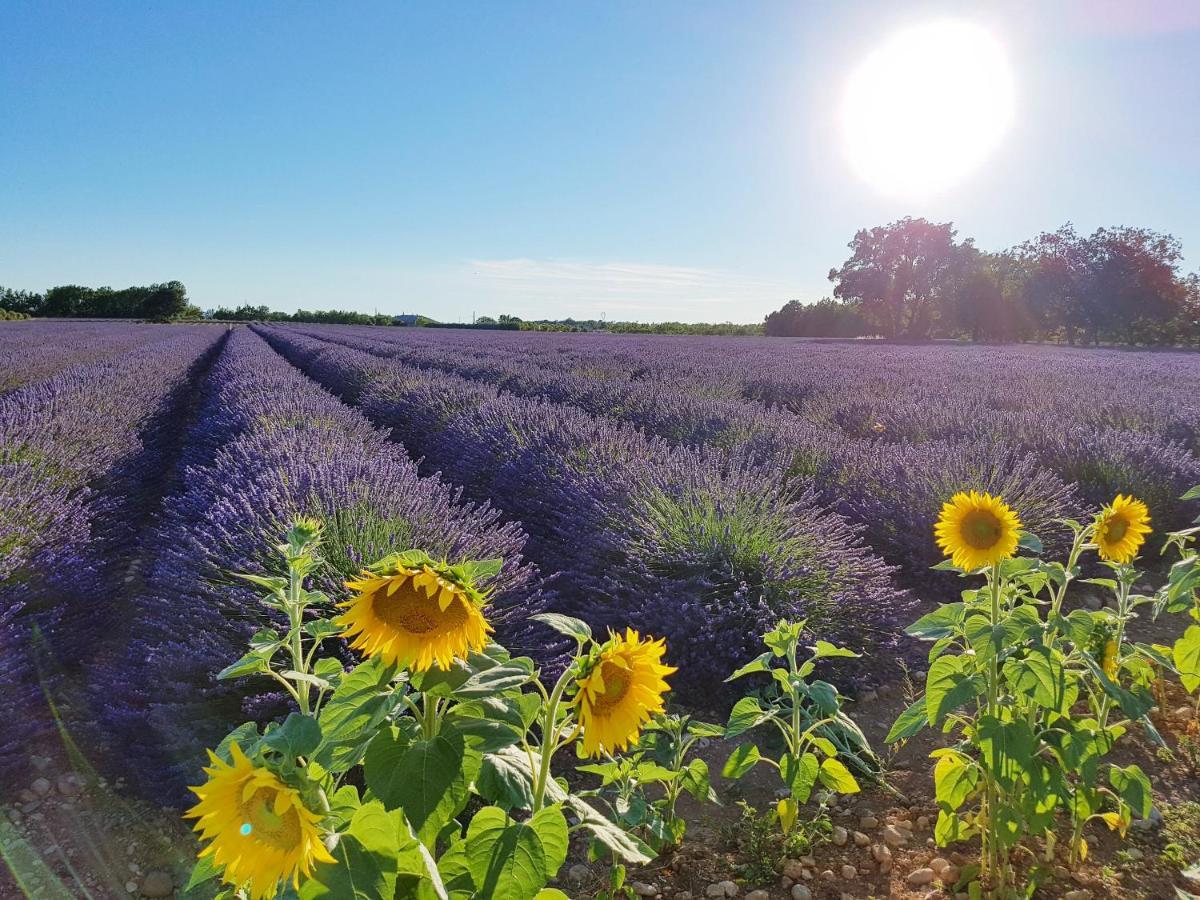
{"x":981,"y":529}
{"x":281,"y":832}
{"x":616,"y":686}
{"x":1116,"y":529}
{"x":411,"y":610}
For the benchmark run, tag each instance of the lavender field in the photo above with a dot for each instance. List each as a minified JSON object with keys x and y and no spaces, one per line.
{"x":695,"y":488}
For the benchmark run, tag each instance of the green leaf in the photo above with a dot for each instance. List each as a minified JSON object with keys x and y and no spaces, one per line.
{"x":366,"y":860}
{"x":1132,"y":786}
{"x":1040,"y":676}
{"x":1192,"y":493}
{"x":954,"y":779}
{"x":948,"y":687}
{"x":825,"y":696}
{"x":909,"y":723}
{"x":696,"y":781}
{"x":321,"y":628}
{"x":429,"y":780}
{"x":800,"y":775}
{"x":741,"y":761}
{"x":835,"y":776}
{"x":568,"y":625}
{"x":1135,"y":703}
{"x":760,"y":663}
{"x":942,"y":622}
{"x":1005,"y":748}
{"x":623,"y":845}
{"x":950,"y":828}
{"x":746,"y":714}
{"x":299,"y":735}
{"x":276,"y":584}
{"x":1031,"y":542}
{"x":505,"y":779}
{"x":513,"y":861}
{"x":1186,"y":655}
{"x":358,"y":706}
{"x":826,"y":650}
{"x":253,"y":663}
{"x":203,"y":871}
{"x":496,"y":680}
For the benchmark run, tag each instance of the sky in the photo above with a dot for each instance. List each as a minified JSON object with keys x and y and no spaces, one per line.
{"x":646,"y":161}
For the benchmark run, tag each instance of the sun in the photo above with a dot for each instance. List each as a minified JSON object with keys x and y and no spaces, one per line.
{"x":927,"y":108}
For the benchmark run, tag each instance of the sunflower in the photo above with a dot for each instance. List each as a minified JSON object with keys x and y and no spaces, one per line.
{"x":1121,"y":529}
{"x":413,"y":617}
{"x":259,"y":829}
{"x":619,"y":689}
{"x":977,"y":530}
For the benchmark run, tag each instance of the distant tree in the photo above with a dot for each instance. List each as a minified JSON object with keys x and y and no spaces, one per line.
{"x":26,"y":303}
{"x":825,"y":318}
{"x":164,"y":301}
{"x":485,"y":320}
{"x":899,"y":274}
{"x":509,"y":320}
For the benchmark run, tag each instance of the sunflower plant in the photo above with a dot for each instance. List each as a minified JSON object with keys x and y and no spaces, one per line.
{"x":818,"y":737}
{"x":1037,"y":696}
{"x":1182,"y":594}
{"x":423,"y":771}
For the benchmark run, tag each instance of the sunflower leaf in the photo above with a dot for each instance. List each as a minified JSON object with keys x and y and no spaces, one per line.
{"x":568,"y":625}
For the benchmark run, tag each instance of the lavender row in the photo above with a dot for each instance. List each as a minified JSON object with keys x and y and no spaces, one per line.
{"x":704,"y":546}
{"x":893,"y":489}
{"x":269,"y":444}
{"x":78,"y":453}
{"x":31,"y":351}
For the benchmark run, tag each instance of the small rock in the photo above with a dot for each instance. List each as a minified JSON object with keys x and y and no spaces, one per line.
{"x":578,"y":872}
{"x":922,"y":823}
{"x":949,"y":875}
{"x":793,"y":869}
{"x":885,"y":867}
{"x":131,"y":887}
{"x":644,"y":890}
{"x":827,"y":874}
{"x":158,"y":883}
{"x":868,"y":823}
{"x":40,"y":787}
{"x":730,"y":888}
{"x":800,"y":892}
{"x":840,"y":835}
{"x":934,"y":895}
{"x":919,"y":877}
{"x":930,"y":843}
{"x":1078,"y":895}
{"x":849,"y":873}
{"x":881,"y":852}
{"x":27,"y":796}
{"x":810,"y":861}
{"x":39,"y":762}
{"x":758,"y":895}
{"x":135,"y":868}
{"x":683,"y":895}
{"x":869,"y":696}
{"x":905,"y":824}
{"x":716,"y":889}
{"x":69,"y":785}
{"x":860,"y":839}
{"x":894,"y":837}
{"x":1062,"y":873}
{"x":1134,"y":853}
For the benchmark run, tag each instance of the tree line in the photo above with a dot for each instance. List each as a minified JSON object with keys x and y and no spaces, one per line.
{"x":158,"y":302}
{"x":912,"y":280}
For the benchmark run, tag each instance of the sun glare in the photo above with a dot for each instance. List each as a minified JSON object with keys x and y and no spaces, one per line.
{"x":927,"y":107}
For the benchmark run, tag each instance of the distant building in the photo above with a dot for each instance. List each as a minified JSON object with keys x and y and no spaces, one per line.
{"x":405,"y":319}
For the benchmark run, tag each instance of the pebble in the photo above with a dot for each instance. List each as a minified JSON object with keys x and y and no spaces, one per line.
{"x":860,"y":839}
{"x":949,"y":875}
{"x":894,"y":837}
{"x":810,"y":861}
{"x":158,"y":883}
{"x":881,"y":853}
{"x":578,"y":872}
{"x":69,"y":785}
{"x":1184,"y":712}
{"x":840,"y":835}
{"x":793,"y":869}
{"x":131,"y":887}
{"x":758,"y":895}
{"x":800,"y":892}
{"x":922,"y":823}
{"x":40,"y":786}
{"x":683,"y":895}
{"x":1077,"y":895}
{"x":1062,"y":872}
{"x":868,"y":823}
{"x":827,"y":874}
{"x":849,"y":873}
{"x":644,"y":890}
{"x":716,"y":889}
{"x":869,"y":696}
{"x":39,"y":762}
{"x":919,"y":877}
{"x":1134,"y":853}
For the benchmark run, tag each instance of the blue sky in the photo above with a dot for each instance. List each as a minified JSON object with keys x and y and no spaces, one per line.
{"x":645,"y":160}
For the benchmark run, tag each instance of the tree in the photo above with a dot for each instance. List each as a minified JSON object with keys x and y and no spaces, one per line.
{"x":825,"y":318}
{"x":165,"y":301}
{"x":899,"y":274}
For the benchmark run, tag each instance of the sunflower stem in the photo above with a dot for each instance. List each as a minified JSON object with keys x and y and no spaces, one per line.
{"x":549,"y":738}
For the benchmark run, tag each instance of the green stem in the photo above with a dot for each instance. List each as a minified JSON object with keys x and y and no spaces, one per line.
{"x":295,"y":620}
{"x":991,"y":854}
{"x":549,"y":738}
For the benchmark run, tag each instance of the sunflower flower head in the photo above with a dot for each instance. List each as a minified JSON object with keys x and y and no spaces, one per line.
{"x":1121,"y":529}
{"x":977,"y":530}
{"x":620,"y":686}
{"x":415,"y":613}
{"x":258,"y":830}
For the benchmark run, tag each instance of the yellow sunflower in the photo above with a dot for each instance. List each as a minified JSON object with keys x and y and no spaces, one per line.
{"x":977,"y":530}
{"x":259,"y":829}
{"x":414,"y":618}
{"x":619,"y":691}
{"x":1121,"y":529}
